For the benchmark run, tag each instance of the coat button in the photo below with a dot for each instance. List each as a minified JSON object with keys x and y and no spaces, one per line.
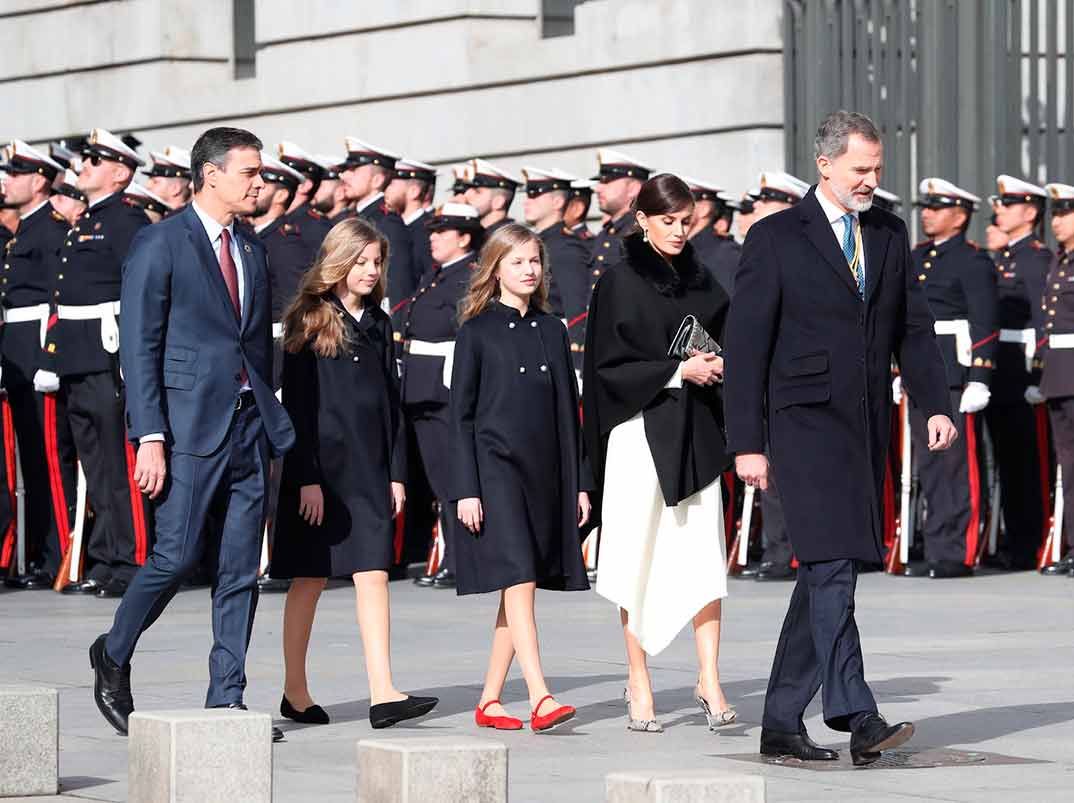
{"x":511,"y":325}
{"x":533,"y":324}
{"x":928,"y":264}
{"x":355,"y":358}
{"x":522,"y":369}
{"x":544,"y":368}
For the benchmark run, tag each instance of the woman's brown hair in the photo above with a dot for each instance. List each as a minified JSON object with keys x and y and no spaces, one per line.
{"x":484,"y":286}
{"x":311,"y":317}
{"x":663,"y":194}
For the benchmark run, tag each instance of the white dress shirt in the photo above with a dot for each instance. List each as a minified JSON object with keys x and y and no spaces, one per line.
{"x":365,"y":203}
{"x":835,"y":214}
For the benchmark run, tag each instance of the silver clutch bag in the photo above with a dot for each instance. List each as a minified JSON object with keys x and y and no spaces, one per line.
{"x":692,"y":337}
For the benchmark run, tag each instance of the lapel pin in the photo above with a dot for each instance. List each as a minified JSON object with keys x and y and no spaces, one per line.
{"x":246,"y":247}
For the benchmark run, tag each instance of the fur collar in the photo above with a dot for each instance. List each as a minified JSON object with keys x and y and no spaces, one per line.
{"x":688,"y":274}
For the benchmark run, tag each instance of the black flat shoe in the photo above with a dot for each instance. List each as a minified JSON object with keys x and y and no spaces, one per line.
{"x":750,"y":570}
{"x":1060,"y":567}
{"x":111,"y":686}
{"x":795,"y":745}
{"x":948,"y":569}
{"x":916,"y":570}
{"x":314,"y":715}
{"x":384,"y":715}
{"x":875,"y":735}
{"x":34,"y":581}
{"x":444,"y":579}
{"x":88,"y":586}
{"x":777,"y":572}
{"x":424,"y":581}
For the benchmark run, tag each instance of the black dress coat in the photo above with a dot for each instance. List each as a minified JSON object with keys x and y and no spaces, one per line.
{"x":349,"y":439}
{"x":517,"y":446}
{"x":570,"y":287}
{"x":801,"y":341}
{"x":720,"y":254}
{"x":634,"y":313}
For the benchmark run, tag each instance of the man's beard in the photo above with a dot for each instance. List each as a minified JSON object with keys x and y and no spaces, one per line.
{"x":851,"y":201}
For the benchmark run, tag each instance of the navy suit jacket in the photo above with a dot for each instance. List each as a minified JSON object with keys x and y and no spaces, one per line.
{"x":182,"y":348}
{"x":802,"y":344}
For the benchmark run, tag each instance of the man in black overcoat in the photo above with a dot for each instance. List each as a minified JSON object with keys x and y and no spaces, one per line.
{"x":823,"y":301}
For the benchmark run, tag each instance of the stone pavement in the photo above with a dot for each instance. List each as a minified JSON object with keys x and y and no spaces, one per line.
{"x":981,"y":665}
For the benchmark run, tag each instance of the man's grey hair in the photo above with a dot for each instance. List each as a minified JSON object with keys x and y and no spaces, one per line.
{"x":835,"y":131}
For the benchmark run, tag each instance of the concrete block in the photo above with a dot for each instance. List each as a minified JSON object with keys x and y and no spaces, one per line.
{"x":200,"y":756}
{"x":683,"y":786}
{"x":29,"y":741}
{"x":446,"y":770}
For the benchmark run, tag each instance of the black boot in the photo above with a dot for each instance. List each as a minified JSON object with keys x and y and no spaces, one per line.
{"x":111,"y":686}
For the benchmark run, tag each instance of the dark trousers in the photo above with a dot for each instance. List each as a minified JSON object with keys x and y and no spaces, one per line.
{"x":777,"y":544}
{"x":819,"y":649}
{"x":952,"y":486}
{"x":47,"y":456}
{"x":1061,"y":413}
{"x":1014,"y":436}
{"x":230,"y":483}
{"x":433,"y":434}
{"x":121,"y":534}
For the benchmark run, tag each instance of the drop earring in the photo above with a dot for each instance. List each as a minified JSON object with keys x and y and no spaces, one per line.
{"x":645,"y":235}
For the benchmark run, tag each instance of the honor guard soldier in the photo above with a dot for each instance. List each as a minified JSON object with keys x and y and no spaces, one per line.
{"x":619,"y":179}
{"x":774,"y":192}
{"x":577,"y":211}
{"x":710,"y":233}
{"x":366,"y":172}
{"x":888,"y":201}
{"x":428,"y":332}
{"x":331,"y":199}
{"x":410,"y":193}
{"x":491,"y":191}
{"x":1056,"y":342}
{"x":154,"y":206}
{"x":169,"y":176}
{"x":547,"y":195}
{"x":67,"y":198}
{"x":458,"y":184}
{"x":46,"y":453}
{"x":313,"y":226}
{"x":84,"y":343}
{"x":64,"y":157}
{"x":1016,"y":419}
{"x":959,"y":282}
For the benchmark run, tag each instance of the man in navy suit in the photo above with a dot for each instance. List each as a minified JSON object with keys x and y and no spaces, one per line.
{"x":196,"y":352}
{"x":824,"y":299}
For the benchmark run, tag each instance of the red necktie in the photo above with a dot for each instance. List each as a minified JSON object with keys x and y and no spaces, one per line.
{"x":231,"y":274}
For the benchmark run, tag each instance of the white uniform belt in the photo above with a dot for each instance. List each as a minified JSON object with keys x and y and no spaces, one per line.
{"x":277,"y":330}
{"x":1027,"y":338}
{"x":963,"y":344}
{"x":38,"y":313}
{"x":1061,"y":341}
{"x":105,"y":313}
{"x":423,"y":348}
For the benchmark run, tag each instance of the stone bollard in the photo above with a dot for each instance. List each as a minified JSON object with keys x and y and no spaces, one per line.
{"x":29,"y":741}
{"x":200,"y":756}
{"x":445,"y":770}
{"x":683,"y":786}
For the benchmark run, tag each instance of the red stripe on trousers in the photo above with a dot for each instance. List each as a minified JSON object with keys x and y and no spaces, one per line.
{"x":1041,"y":413}
{"x":10,"y":534}
{"x":972,"y":528}
{"x":141,"y":545}
{"x":55,"y":478}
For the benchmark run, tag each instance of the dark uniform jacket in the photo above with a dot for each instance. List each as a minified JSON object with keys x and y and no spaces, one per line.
{"x":312,"y":225}
{"x":29,"y":260}
{"x":498,"y":224}
{"x":1058,"y":308}
{"x":419,"y":240}
{"x":569,"y":288}
{"x":432,"y":316}
{"x":1021,"y":271}
{"x":90,"y":271}
{"x":289,"y":257}
{"x":960,"y":284}
{"x":606,"y":247}
{"x":720,"y":254}
{"x":403,"y":276}
{"x":802,"y":345}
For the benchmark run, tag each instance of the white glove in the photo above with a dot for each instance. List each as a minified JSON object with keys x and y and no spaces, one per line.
{"x":1033,"y":395}
{"x":896,"y":390}
{"x":46,"y":381}
{"x":974,"y":398}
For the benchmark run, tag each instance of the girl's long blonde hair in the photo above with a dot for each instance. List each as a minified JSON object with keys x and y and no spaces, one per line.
{"x":484,"y":286}
{"x":311,"y":317}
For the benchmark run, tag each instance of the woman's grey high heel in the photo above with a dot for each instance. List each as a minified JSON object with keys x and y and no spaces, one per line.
{"x":640,"y":725}
{"x":718,"y":720}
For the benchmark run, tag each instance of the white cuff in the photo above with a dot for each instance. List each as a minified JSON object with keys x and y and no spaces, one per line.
{"x":152,"y":437}
{"x":675,"y":382}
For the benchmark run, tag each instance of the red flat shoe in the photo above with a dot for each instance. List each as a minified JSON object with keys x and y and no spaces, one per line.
{"x":499,"y":723}
{"x":551,"y":720}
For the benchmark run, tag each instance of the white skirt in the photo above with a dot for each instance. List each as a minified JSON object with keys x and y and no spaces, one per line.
{"x":661,"y":564}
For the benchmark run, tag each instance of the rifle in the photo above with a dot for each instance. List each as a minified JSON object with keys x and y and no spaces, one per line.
{"x":1053,"y":545}
{"x":74,"y":558}
{"x":900,"y":551}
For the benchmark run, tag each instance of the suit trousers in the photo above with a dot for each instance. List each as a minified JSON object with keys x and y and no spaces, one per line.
{"x":819,"y":648}
{"x":231,"y":484}
{"x":1014,"y":435}
{"x":432,"y":431}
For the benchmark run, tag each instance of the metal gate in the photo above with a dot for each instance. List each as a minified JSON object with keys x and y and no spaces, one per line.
{"x":962,"y":89}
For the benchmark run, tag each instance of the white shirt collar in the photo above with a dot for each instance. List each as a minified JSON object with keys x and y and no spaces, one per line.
{"x":467,"y":255}
{"x":103,"y":198}
{"x":832,"y":211}
{"x":368,"y":202}
{"x":1013,"y":243}
{"x":34,"y":210}
{"x":212,"y":227}
{"x":408,"y":219}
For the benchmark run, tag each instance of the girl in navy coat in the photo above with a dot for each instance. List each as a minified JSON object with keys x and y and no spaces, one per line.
{"x":519,"y":475}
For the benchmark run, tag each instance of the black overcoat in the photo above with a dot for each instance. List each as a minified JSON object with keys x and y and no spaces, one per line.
{"x":517,"y":445}
{"x":349,"y":439}
{"x":800,"y":339}
{"x":634,"y":313}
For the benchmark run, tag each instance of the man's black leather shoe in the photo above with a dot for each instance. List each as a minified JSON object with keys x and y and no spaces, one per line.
{"x":916,"y":570}
{"x":111,"y":686}
{"x":795,"y":745}
{"x":87,"y":586}
{"x":444,"y":579}
{"x":113,"y":589}
{"x":424,"y":581}
{"x":34,"y":581}
{"x":776,"y":571}
{"x":947,"y":569}
{"x":1060,"y":567}
{"x":875,"y":735}
{"x":277,"y":734}
{"x":750,"y":570}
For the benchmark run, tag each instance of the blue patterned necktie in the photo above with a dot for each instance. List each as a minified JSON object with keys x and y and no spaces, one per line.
{"x":848,"y":252}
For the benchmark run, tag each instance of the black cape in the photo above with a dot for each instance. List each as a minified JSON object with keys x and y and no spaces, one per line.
{"x":634,"y":313}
